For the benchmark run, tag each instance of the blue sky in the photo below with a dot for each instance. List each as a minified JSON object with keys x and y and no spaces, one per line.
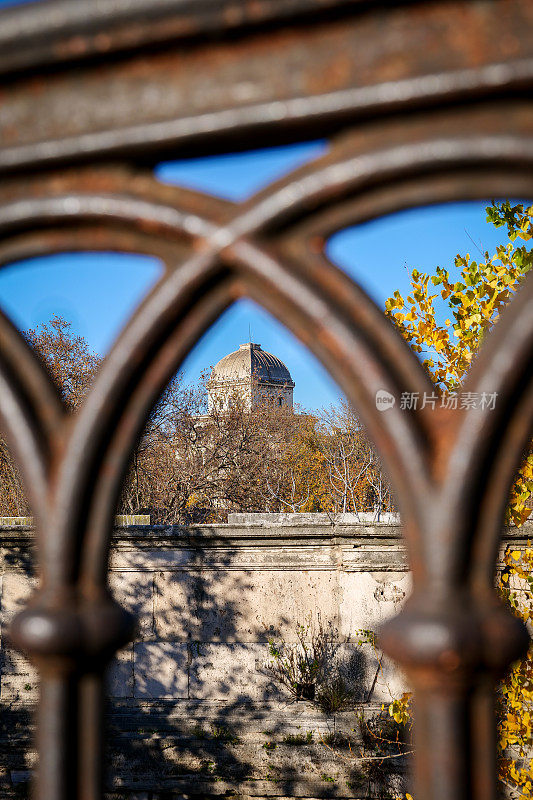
{"x":97,"y":292}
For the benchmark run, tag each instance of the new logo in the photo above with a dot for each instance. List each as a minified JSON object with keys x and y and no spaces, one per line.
{"x":384,"y":400}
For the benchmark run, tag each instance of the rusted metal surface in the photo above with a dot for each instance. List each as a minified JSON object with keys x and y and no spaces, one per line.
{"x":424,"y":102}
{"x":66,"y":31}
{"x":270,"y":86}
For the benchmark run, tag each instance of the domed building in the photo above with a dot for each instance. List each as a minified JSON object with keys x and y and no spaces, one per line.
{"x":251,"y":374}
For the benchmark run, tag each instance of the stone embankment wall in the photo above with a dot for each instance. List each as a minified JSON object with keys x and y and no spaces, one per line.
{"x":194,"y":710}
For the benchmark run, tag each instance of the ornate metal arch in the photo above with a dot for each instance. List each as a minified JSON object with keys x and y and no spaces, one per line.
{"x":453,"y":124}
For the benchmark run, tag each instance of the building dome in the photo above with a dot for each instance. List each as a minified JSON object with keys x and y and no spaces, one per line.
{"x":249,"y":361}
{"x":253,"y":373}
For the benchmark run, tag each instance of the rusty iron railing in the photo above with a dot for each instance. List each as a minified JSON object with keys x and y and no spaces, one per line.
{"x":422,"y":102}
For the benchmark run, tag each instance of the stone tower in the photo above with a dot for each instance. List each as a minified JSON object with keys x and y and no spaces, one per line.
{"x":251,"y":374}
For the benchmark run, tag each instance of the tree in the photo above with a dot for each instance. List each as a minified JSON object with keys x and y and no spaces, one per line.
{"x":473,"y":303}
{"x":515,"y":700}
{"x":67,"y":356}
{"x":353,"y":469}
{"x":327,"y":465}
{"x":73,"y":367}
{"x":300,"y":482}
{"x":191,"y":466}
{"x":12,"y":500}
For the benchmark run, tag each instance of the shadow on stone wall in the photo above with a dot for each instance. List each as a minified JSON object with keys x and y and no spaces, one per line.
{"x":205,"y":716}
{"x":16,"y":755}
{"x":194,"y":710}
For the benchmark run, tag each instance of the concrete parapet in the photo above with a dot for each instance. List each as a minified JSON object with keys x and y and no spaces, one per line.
{"x":313,"y":518}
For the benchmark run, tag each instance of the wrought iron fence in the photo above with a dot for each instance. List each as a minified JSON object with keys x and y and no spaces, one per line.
{"x":423,"y":102}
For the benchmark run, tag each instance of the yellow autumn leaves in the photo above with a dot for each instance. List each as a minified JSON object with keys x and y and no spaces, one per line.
{"x":471,"y":302}
{"x":515,"y":728}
